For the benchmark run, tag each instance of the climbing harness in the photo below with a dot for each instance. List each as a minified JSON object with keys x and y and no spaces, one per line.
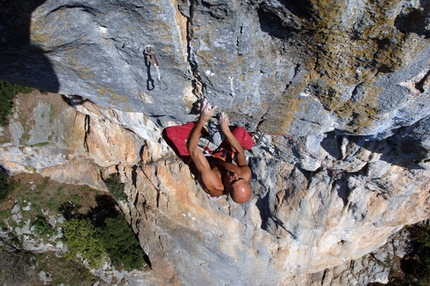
{"x":152,"y":59}
{"x":206,"y":148}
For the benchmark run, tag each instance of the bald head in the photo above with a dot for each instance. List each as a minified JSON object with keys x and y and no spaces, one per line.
{"x":240,"y":192}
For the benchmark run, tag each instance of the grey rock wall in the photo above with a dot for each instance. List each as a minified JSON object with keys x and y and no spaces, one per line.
{"x":278,"y":66}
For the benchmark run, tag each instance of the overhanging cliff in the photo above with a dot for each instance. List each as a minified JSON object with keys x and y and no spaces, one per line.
{"x":274,"y":65}
{"x":344,"y":85}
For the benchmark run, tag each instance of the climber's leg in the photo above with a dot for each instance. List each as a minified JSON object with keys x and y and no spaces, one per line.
{"x":176,"y":137}
{"x":242,"y":136}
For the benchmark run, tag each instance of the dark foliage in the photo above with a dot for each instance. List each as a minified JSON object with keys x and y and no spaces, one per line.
{"x":121,"y":244}
{"x":103,"y":228}
{"x":8,"y":91}
{"x":115,"y":187}
{"x":15,"y":266}
{"x":5,"y":184}
{"x":417,"y":264}
{"x":41,"y":227}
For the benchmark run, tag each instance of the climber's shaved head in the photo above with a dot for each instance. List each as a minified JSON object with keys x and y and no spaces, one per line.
{"x":240,"y":191}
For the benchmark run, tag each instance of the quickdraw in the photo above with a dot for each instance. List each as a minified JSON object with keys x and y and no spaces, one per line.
{"x":150,"y":53}
{"x":152,"y":59}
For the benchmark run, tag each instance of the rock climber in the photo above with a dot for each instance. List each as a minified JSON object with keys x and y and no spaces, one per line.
{"x":217,"y":174}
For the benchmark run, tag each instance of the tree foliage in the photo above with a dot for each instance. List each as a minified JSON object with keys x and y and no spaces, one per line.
{"x":115,"y":187}
{"x":42,"y":227}
{"x":121,"y":244}
{"x":5,"y":185}
{"x":80,"y":237}
{"x":417,"y":264}
{"x":103,"y":233}
{"x":8,"y":91}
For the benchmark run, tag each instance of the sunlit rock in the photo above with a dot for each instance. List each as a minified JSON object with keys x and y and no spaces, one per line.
{"x":341,"y":89}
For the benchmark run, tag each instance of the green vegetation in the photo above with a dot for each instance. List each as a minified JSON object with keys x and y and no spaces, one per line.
{"x":68,"y":210}
{"x":46,"y":195}
{"x":3,"y":216}
{"x":20,"y":267}
{"x":15,"y":266}
{"x":62,"y":271}
{"x":8,"y":91}
{"x":80,"y":237}
{"x":102,"y":233}
{"x":94,"y":229}
{"x":115,"y":240}
{"x":51,"y":114}
{"x":417,"y":265}
{"x":5,"y":185}
{"x":115,"y":187}
{"x":40,"y":144}
{"x":121,"y":244}
{"x":42,"y":228}
{"x":42,"y":186}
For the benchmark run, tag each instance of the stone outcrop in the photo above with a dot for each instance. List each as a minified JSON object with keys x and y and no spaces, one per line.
{"x":299,"y":221}
{"x":278,"y":66}
{"x":342,"y":87}
{"x":375,"y":267}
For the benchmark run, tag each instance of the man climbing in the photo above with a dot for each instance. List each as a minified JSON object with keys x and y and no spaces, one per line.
{"x":217,"y":174}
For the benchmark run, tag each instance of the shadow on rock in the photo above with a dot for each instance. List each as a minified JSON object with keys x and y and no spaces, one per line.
{"x":106,"y":208}
{"x":22,"y":62}
{"x":415,"y":21}
{"x":406,"y":147}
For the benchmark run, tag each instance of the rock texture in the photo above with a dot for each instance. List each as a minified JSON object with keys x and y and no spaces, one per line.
{"x":299,"y":221}
{"x":374,"y":267}
{"x":305,"y":69}
{"x":344,"y":85}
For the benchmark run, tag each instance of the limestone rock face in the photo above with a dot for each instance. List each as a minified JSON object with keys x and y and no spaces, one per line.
{"x":278,"y":66}
{"x":307,"y":213}
{"x":341,"y":86}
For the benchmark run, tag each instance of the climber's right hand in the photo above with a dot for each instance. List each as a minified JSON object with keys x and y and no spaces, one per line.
{"x":206,"y":110}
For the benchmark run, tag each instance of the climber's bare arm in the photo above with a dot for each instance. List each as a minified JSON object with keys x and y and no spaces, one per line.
{"x":240,"y":153}
{"x":208,"y":178}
